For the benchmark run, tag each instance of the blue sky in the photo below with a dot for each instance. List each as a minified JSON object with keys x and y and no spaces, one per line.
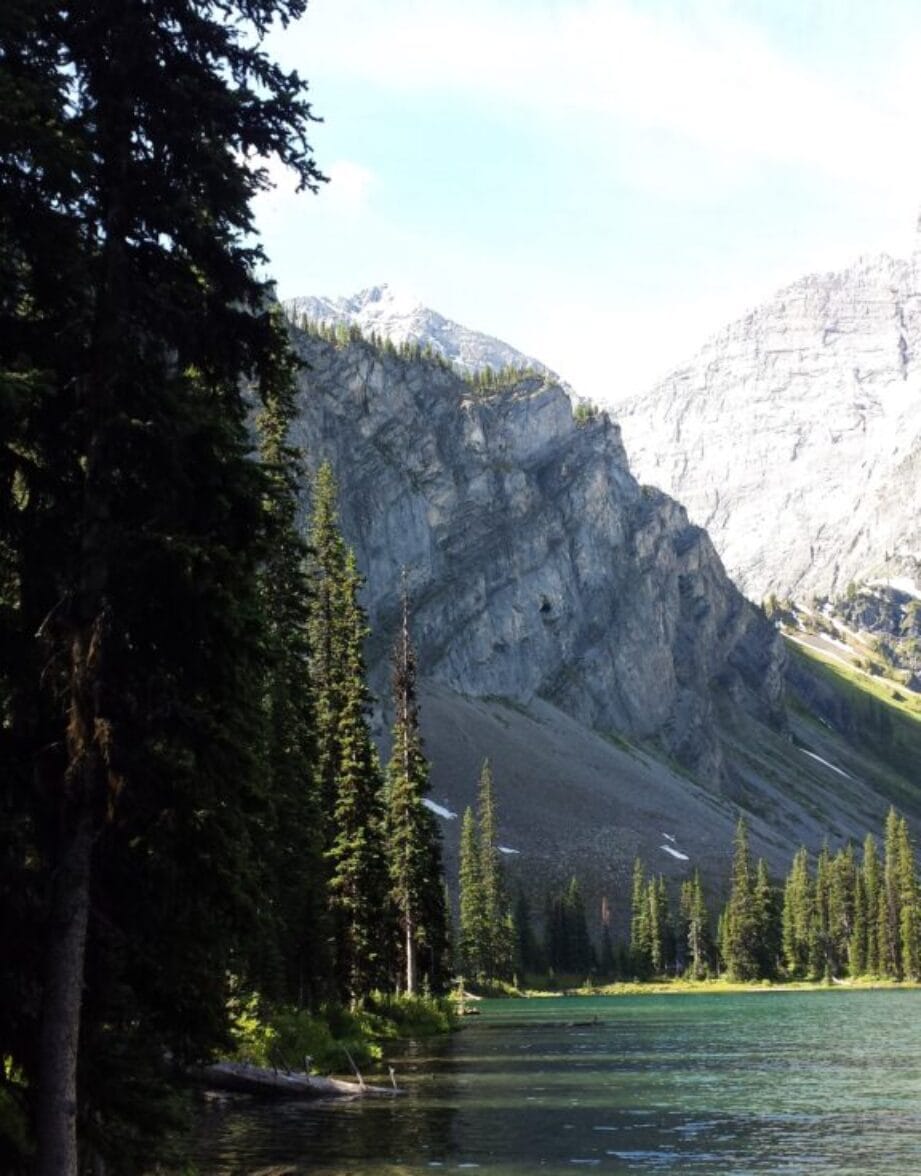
{"x":602,"y":183}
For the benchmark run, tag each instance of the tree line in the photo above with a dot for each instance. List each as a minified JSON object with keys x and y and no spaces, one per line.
{"x":192,"y":805}
{"x":847,"y":915}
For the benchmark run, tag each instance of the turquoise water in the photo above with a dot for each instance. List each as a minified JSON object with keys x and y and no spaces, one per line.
{"x":773,"y":1082}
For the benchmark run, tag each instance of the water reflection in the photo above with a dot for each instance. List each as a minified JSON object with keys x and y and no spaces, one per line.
{"x":774,"y":1083}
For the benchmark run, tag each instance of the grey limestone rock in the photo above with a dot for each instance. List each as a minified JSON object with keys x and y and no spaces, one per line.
{"x":794,"y":436}
{"x":539,"y":568}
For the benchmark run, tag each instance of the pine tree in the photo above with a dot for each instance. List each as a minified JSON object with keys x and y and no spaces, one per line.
{"x":798,"y":907}
{"x":821,"y":963}
{"x":740,"y":948}
{"x":909,"y":899}
{"x":695,"y":925}
{"x":870,"y":874}
{"x":640,"y":932}
{"x":472,"y":906}
{"x":131,"y":316}
{"x":326,"y":640}
{"x":293,"y":849}
{"x":413,"y":838}
{"x":768,"y":920}
{"x":497,"y":943}
{"x":890,"y":903}
{"x":358,"y":877}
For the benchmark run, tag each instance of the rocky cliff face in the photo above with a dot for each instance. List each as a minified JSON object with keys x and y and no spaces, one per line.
{"x":381,"y":311}
{"x":537,"y":565}
{"x":794,"y":436}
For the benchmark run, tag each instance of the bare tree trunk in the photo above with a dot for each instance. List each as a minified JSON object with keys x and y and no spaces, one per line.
{"x":410,"y":957}
{"x":56,"y":1118}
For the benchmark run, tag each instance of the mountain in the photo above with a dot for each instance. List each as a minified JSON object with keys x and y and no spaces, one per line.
{"x":572,"y":626}
{"x":794,"y":435}
{"x":402,"y":319}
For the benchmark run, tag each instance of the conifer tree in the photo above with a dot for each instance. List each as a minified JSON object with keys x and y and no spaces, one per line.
{"x":640,"y":932}
{"x":909,"y":898}
{"x":497,"y":943}
{"x":472,"y":909}
{"x":413,"y":838}
{"x":890,"y":902}
{"x":821,"y":961}
{"x":292,"y":856}
{"x":131,"y":317}
{"x":357,"y":864}
{"x":870,"y":874}
{"x":740,"y":946}
{"x":798,"y":904}
{"x":768,"y":919}
{"x":695,"y":926}
{"x":326,"y":640}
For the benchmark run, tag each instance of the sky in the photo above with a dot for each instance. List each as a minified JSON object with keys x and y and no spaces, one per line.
{"x":601,"y":183}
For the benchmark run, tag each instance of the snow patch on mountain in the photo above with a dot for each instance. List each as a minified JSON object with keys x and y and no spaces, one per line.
{"x":400,"y":316}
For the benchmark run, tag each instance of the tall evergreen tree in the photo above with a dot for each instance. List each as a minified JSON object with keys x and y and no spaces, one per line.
{"x":695,"y":925}
{"x":740,"y":948}
{"x":798,"y":905}
{"x":358,"y":874}
{"x":640,"y":931}
{"x":130,"y":519}
{"x":413,"y":838}
{"x":768,"y":920}
{"x":870,"y":874}
{"x":472,"y":906}
{"x":292,"y":857}
{"x":326,"y":639}
{"x":497,"y":942}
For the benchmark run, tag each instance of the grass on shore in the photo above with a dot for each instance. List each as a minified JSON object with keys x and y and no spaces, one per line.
{"x":333,"y":1037}
{"x":680,"y":985}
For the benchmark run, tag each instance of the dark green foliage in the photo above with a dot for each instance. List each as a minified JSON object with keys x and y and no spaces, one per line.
{"x":292,"y":851}
{"x":694,"y":938}
{"x":472,"y":909}
{"x":488,"y":929}
{"x":358,"y":876}
{"x":741,"y":927}
{"x":567,"y":946}
{"x":413,"y":838}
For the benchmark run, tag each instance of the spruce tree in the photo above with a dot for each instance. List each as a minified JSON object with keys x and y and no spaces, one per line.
{"x":358,"y":876}
{"x":909,"y":897}
{"x":870,"y":874}
{"x":131,"y":514}
{"x":292,"y":858}
{"x":413,"y":838}
{"x":640,"y":932}
{"x":472,"y":908}
{"x":768,"y":919}
{"x":798,"y":904}
{"x":890,"y":902}
{"x":497,"y":944}
{"x":740,"y":948}
{"x":695,"y":924}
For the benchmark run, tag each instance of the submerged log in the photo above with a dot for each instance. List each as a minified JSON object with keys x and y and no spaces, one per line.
{"x":241,"y":1078}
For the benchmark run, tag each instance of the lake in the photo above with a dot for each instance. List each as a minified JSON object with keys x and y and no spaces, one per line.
{"x":772,"y":1082}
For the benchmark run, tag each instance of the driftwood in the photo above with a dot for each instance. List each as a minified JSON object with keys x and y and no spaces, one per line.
{"x":241,"y":1078}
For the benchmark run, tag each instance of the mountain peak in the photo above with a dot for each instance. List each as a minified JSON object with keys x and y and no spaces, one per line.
{"x":399,"y":316}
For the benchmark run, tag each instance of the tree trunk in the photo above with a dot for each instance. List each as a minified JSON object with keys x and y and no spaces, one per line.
{"x":56,"y":1118}
{"x":410,"y":958}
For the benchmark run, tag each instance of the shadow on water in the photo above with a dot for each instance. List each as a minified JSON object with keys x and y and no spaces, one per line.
{"x":773,"y":1083}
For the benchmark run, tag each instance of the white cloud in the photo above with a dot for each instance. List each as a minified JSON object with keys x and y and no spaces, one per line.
{"x":693,"y":73}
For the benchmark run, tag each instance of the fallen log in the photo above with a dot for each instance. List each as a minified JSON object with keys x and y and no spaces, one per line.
{"x":241,"y":1078}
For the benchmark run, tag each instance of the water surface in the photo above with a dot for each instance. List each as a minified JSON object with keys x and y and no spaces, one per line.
{"x":773,"y":1082}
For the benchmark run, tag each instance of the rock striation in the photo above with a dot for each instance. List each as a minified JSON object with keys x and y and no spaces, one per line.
{"x":538,"y":567}
{"x":794,"y":435}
